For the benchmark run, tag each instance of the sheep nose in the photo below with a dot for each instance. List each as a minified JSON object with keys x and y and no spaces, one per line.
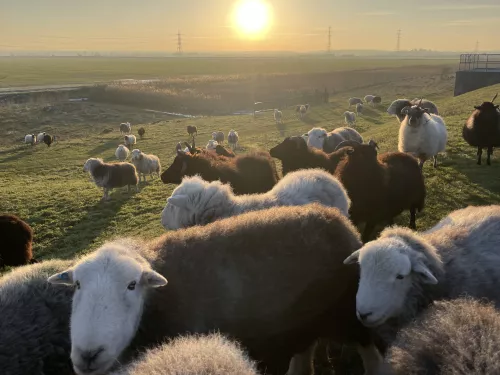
{"x":87,"y":359}
{"x":363,"y":317}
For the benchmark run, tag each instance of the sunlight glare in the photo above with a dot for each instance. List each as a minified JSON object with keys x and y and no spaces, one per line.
{"x":252,"y":18}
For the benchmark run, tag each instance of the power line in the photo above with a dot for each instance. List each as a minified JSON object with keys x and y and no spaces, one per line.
{"x":398,"y":43}
{"x":476,"y":50}
{"x":179,"y":43}
{"x":329,"y":39}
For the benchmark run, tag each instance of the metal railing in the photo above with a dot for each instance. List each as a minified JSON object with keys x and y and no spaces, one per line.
{"x":482,"y":62}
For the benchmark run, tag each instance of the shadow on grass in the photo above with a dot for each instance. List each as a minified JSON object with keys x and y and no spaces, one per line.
{"x":105,"y":146}
{"x":310,"y":121}
{"x":281,"y":127}
{"x":19,"y":153}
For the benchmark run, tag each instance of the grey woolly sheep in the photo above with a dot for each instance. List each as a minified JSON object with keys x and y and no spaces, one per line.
{"x":111,"y":175}
{"x":278,"y":116}
{"x":145,"y":164}
{"x":30,"y":138}
{"x":17,"y":240}
{"x":34,"y":327}
{"x":125,"y":128}
{"x":460,"y":336}
{"x":122,"y":152}
{"x":368,"y":99}
{"x":242,"y":271}
{"x":359,"y":109}
{"x":328,"y":142}
{"x":197,"y":202}
{"x":218,"y":137}
{"x":233,"y":138}
{"x":399,"y":104}
{"x":402,"y":272}
{"x":349,"y":118}
{"x":130,"y":140}
{"x":193,"y":355}
{"x":354,"y":101}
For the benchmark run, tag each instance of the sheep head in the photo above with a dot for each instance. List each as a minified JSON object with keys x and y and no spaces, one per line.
{"x":488,"y":106}
{"x":288,"y":148}
{"x":179,"y":167}
{"x":414,"y":114}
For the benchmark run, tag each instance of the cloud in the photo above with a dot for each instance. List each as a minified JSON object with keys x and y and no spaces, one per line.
{"x":378,"y":14}
{"x":460,"y":7}
{"x":473,"y":22}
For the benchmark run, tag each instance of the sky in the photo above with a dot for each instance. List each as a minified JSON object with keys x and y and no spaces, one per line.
{"x":206,"y":25}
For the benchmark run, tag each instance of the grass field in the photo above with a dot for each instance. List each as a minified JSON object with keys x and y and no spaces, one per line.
{"x":17,"y":71}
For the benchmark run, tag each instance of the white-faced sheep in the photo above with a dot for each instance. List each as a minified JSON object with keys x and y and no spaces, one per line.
{"x":242,"y":270}
{"x":403,"y":272}
{"x":422,"y":134}
{"x":30,"y":139}
{"x":111,"y":175}
{"x":211,"y":145}
{"x":17,"y":240}
{"x":396,"y":107}
{"x":122,"y":152}
{"x":125,"y":128}
{"x":141,"y":132}
{"x":197,"y":202}
{"x":460,"y":336}
{"x":349,"y":118}
{"x":278,"y":116}
{"x":482,"y":129}
{"x":49,"y":139}
{"x":328,"y":142}
{"x":354,"y":101}
{"x":145,"y":164}
{"x":302,"y":110}
{"x":35,"y":337}
{"x":39,"y":137}
{"x":359,"y":109}
{"x":233,"y":138}
{"x":193,"y":355}
{"x":368,"y":99}
{"x":130,"y":140}
{"x":218,"y":137}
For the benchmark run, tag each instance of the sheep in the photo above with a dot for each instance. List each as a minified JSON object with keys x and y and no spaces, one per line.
{"x":17,"y":240}
{"x":130,"y":140}
{"x":422,"y":134}
{"x":354,"y":101}
{"x":241,"y":271}
{"x":111,"y":175}
{"x":30,"y":138}
{"x":34,"y":327}
{"x":178,"y":148}
{"x":211,"y":145}
{"x":233,"y":138}
{"x":247,"y":174}
{"x":278,"y":116}
{"x":359,"y":109}
{"x":302,"y":110}
{"x":368,"y":99}
{"x":424,"y":103}
{"x":193,"y":355}
{"x":460,"y":336}
{"x":218,"y":137}
{"x":122,"y":152}
{"x":328,"y":142}
{"x":145,"y":164}
{"x":376,"y":100}
{"x":197,"y":202}
{"x":48,"y":139}
{"x":192,"y":130}
{"x":482,"y":129}
{"x":221,"y":150}
{"x":349,"y":118}
{"x":402,"y":272}
{"x":141,"y":132}
{"x":399,"y":104}
{"x":394,"y":180}
{"x":39,"y":137}
{"x":125,"y":128}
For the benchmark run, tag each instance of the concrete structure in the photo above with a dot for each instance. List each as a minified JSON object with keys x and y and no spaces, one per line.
{"x":477,"y":71}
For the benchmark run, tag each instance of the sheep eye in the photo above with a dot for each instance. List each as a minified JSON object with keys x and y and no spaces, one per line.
{"x":131,"y":286}
{"x":400,"y":277}
{"x":77,"y":284}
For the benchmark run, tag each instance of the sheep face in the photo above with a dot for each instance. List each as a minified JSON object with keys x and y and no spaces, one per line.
{"x":174,"y":173}
{"x":136,"y":155}
{"x":486,"y":106}
{"x":414,"y":114}
{"x":288,"y":147}
{"x":316,"y":138}
{"x":110,"y":289}
{"x":91,"y":163}
{"x":389,"y":268}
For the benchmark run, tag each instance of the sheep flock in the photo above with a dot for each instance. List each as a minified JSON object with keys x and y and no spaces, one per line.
{"x":266,"y":253}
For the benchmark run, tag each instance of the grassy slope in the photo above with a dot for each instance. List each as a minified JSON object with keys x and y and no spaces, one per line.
{"x":51,"y":71}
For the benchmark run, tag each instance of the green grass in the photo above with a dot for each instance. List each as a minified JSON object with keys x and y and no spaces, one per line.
{"x":50,"y":71}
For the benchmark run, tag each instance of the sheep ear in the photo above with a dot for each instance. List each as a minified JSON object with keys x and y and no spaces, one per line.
{"x":62,"y":278}
{"x":178,"y":201}
{"x":153,"y":279}
{"x":427,"y":276}
{"x":405,"y":110}
{"x":353,"y":258}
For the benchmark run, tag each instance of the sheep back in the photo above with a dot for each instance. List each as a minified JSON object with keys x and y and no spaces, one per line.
{"x":482,"y":129}
{"x":115,"y":175}
{"x":17,"y":238}
{"x":339,"y":135}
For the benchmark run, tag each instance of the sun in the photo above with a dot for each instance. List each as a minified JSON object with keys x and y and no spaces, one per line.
{"x":252,"y":18}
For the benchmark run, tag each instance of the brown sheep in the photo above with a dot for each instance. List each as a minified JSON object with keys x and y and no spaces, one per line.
{"x":17,"y":239}
{"x":141,"y":132}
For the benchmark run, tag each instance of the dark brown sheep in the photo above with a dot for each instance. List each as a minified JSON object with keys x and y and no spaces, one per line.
{"x":48,"y":139}
{"x":247,"y":174}
{"x":141,"y":132}
{"x":17,"y":238}
{"x":192,"y":130}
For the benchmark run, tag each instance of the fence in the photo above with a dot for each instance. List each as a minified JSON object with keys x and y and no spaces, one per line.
{"x":482,"y":62}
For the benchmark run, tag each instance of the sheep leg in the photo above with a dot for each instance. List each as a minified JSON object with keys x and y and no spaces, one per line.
{"x":369,"y":227}
{"x":490,"y":152}
{"x":479,"y":155}
{"x":435,"y":164}
{"x":302,"y":363}
{"x":372,"y":360}
{"x":413,"y":218}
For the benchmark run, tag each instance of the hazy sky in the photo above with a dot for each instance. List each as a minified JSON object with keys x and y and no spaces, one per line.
{"x":298,"y":25}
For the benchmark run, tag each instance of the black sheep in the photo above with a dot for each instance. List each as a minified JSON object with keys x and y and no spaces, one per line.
{"x":141,"y":132}
{"x":48,"y":139}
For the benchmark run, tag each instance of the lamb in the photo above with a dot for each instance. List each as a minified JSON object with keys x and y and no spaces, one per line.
{"x":403,"y":272}
{"x":197,"y":202}
{"x":125,"y":128}
{"x":460,"y":336}
{"x":130,"y":140}
{"x":482,"y":129}
{"x":211,"y":145}
{"x":278,"y":116}
{"x":192,"y":130}
{"x":354,"y":101}
{"x":242,"y":271}
{"x":39,"y":137}
{"x":193,"y":355}
{"x":122,"y":152}
{"x":111,"y":175}
{"x":349,"y":118}
{"x":359,"y":109}
{"x":399,"y":104}
{"x":328,"y":142}
{"x":30,"y":138}
{"x":233,"y":138}
{"x":17,"y":240}
{"x":247,"y":174}
{"x":422,"y":134}
{"x":368,"y":99}
{"x":218,"y":137}
{"x":145,"y":164}
{"x":34,"y":327}
{"x":141,"y":132}
{"x":395,"y":184}
{"x":48,"y":139}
